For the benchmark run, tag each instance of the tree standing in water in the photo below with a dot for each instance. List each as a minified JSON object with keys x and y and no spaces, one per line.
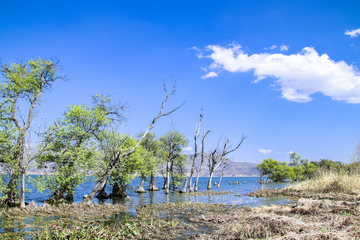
{"x":24,"y":82}
{"x":172,"y":144}
{"x":117,"y":156}
{"x":218,"y":156}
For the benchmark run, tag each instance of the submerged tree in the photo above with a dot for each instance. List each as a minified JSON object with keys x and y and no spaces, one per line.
{"x":218,"y":156}
{"x":153,"y":161}
{"x":193,"y":158}
{"x":202,"y":160}
{"x":70,"y":154}
{"x":117,"y":155}
{"x":172,"y":144}
{"x":24,"y":82}
{"x":125,"y":173}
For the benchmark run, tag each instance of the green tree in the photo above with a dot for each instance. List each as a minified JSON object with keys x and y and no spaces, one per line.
{"x":295,"y":162}
{"x":115,"y":155}
{"x":172,"y":144}
{"x":22,"y":87}
{"x":70,"y":154}
{"x":125,"y":173}
{"x":276,"y":171}
{"x":153,"y":161}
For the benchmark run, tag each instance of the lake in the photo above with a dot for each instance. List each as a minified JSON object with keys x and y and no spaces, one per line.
{"x":136,"y":199}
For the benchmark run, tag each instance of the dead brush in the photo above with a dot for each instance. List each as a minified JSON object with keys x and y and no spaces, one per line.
{"x":258,"y":226}
{"x":330,"y":182}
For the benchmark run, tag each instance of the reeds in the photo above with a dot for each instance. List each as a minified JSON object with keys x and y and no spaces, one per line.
{"x":331,"y":182}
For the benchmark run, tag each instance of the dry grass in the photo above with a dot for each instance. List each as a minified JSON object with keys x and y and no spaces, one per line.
{"x":328,"y":185}
{"x":331,"y":182}
{"x":305,"y":219}
{"x":33,"y":218}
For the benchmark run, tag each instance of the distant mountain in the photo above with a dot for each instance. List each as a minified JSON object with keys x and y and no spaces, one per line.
{"x":232,"y":169}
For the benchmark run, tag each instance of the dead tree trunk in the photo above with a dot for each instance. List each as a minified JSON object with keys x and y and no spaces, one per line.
{"x":195,"y":154}
{"x":184,"y":188}
{"x":213,"y":165}
{"x":217,"y":157}
{"x":222,"y":173}
{"x":141,"y":187}
{"x":202,"y":160}
{"x":118,"y":156}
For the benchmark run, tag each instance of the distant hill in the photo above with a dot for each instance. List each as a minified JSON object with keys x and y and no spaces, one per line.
{"x":232,"y":169}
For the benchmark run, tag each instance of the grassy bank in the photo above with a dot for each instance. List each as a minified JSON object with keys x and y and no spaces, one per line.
{"x":328,"y":185}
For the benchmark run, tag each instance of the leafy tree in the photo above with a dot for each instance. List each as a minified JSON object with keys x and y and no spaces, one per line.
{"x":172,"y":144}
{"x":125,"y":172}
{"x":295,"y":162}
{"x":70,"y":154}
{"x":309,"y":170}
{"x":115,"y":155}
{"x":153,"y":161}
{"x":276,"y":171}
{"x":23,"y":85}
{"x":283,"y":172}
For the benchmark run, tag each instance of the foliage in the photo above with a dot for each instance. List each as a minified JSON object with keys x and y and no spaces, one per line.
{"x":298,"y":169}
{"x":153,"y":160}
{"x":125,"y":171}
{"x":172,"y":144}
{"x":21,"y":90}
{"x":71,"y":153}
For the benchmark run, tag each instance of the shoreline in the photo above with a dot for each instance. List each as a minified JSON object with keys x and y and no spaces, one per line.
{"x":310,"y":216}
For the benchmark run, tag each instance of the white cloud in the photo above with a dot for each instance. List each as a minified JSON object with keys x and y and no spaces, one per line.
{"x":289,"y":152}
{"x":265,"y":151}
{"x":187,"y":148}
{"x":284,"y":47}
{"x":272,"y":47}
{"x":353,"y":33}
{"x":200,"y":54}
{"x":297,"y":75}
{"x":210,"y":75}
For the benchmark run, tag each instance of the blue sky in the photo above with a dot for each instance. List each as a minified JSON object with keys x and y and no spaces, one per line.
{"x":283,"y":73}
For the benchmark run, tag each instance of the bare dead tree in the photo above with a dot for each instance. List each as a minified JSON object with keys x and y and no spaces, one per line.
{"x":119,"y":156}
{"x":226,"y":151}
{"x":194,"y":156}
{"x":202,"y":160}
{"x":218,"y":157}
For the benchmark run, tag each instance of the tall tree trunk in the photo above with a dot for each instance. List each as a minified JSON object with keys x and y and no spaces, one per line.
{"x":222,"y":173}
{"x":167,"y":186}
{"x":173,"y":183}
{"x":152,"y":186}
{"x":140,"y":187}
{"x":22,"y":195}
{"x":209,"y":183}
{"x":202,"y":160}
